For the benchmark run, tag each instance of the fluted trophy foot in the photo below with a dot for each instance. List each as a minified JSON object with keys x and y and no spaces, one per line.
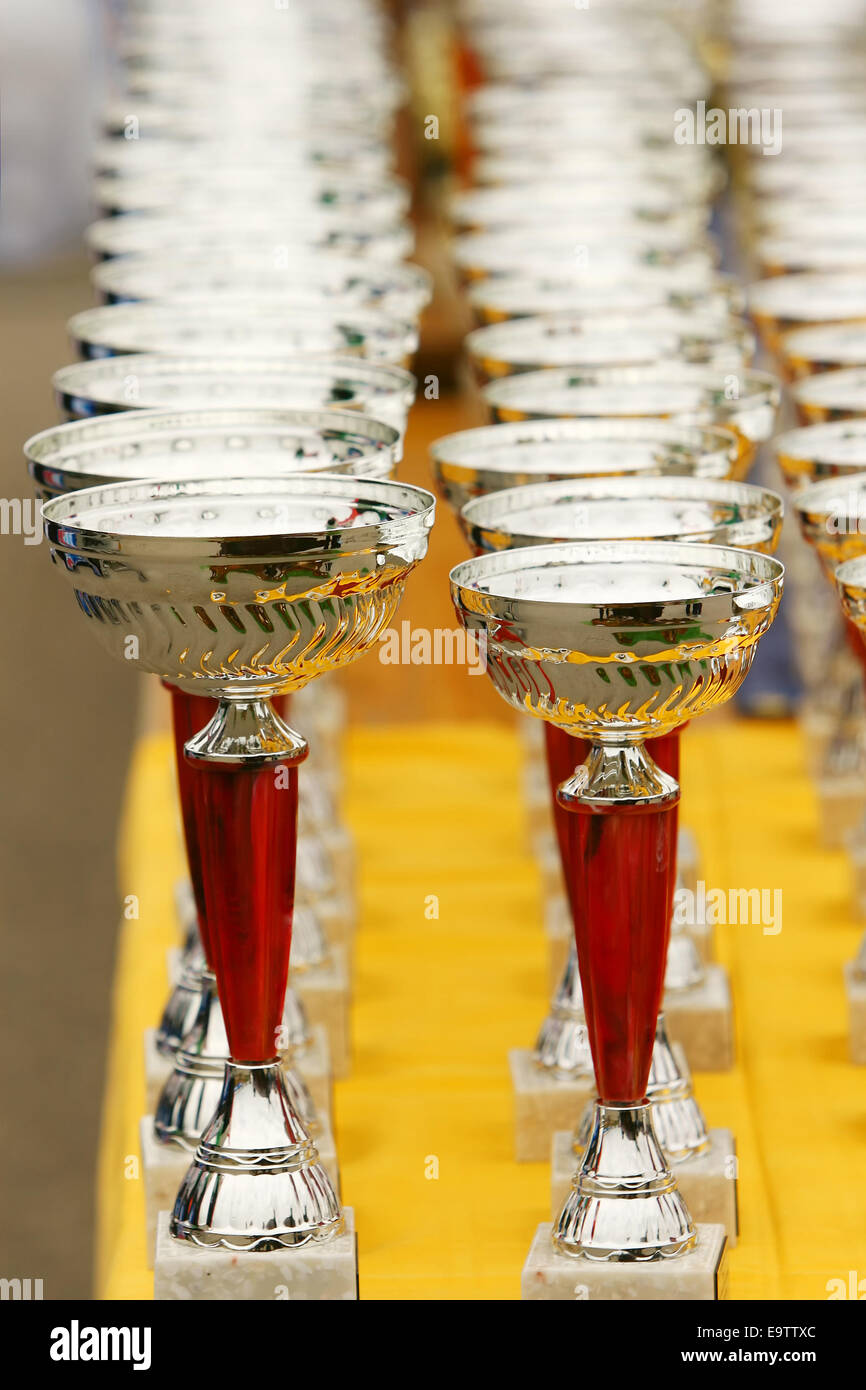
{"x":624,"y":1204}
{"x":255,"y":1182}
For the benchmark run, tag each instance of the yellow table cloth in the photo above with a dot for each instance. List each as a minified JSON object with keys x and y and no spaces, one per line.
{"x":451,"y":973}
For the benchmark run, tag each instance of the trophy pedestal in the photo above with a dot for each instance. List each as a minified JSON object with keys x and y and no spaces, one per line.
{"x":841,"y":808}
{"x":543,"y":1104}
{"x":314,"y":1065}
{"x":163,"y":1167}
{"x":700,"y":1275}
{"x":321,"y":1271}
{"x":708,"y":1181}
{"x":324,"y":990}
{"x":855,"y":989}
{"x":701,"y":1020}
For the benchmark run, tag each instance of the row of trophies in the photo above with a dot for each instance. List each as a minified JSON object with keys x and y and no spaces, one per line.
{"x":220,"y":501}
{"x":221,"y":504}
{"x":805,"y":216}
{"x":624,"y":573}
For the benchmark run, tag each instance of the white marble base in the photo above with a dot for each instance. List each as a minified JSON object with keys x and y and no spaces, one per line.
{"x":314,"y":1066}
{"x":855,"y":990}
{"x":315,"y":1273}
{"x":702,"y":1021}
{"x":163,"y":1167}
{"x":700,"y":1275}
{"x":543,"y":1104}
{"x":708,"y":1182}
{"x":841,"y":808}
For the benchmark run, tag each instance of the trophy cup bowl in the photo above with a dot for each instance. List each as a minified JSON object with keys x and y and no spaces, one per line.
{"x":524,"y":251}
{"x":237,"y":189}
{"x":828,"y":396}
{"x":743,"y":399}
{"x":625,"y":508}
{"x":528,"y":294}
{"x":137,"y":233}
{"x":703,"y":180}
{"x":832,"y":517}
{"x":308,"y":279}
{"x":212,"y":330}
{"x":785,"y":302}
{"x":642,"y":201}
{"x":814,"y":452}
{"x":826,"y":348}
{"x":163,"y":560}
{"x":475,"y":462}
{"x":620,"y":642}
{"x":194,"y":444}
{"x":577,"y":341}
{"x":108,"y":384}
{"x":240,"y":589}
{"x":226,"y":156}
{"x":850,"y":579}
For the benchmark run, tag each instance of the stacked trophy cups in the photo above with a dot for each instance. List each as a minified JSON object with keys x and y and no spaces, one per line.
{"x":622,"y":577}
{"x":220,"y":503}
{"x":803,"y":213}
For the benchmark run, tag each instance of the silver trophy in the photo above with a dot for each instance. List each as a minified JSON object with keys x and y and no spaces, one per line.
{"x":624,"y":508}
{"x":619,"y":643}
{"x":241,"y":589}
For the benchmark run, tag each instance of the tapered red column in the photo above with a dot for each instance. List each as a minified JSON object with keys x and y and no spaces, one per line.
{"x":620,"y":870}
{"x":255,"y":1181}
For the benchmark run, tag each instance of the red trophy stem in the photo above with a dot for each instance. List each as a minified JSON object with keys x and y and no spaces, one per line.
{"x":189,"y":715}
{"x":247,"y":820}
{"x":620,"y":869}
{"x":857,"y":645}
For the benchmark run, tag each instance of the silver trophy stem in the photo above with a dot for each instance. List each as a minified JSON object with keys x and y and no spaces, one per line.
{"x":190,"y":1096}
{"x":679,"y":1121}
{"x":255,"y":1182}
{"x":624,"y":1204}
{"x":562,"y":1046}
{"x":183,"y":1004}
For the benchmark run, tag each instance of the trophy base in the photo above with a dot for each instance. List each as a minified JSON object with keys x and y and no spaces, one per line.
{"x":699,"y":1275}
{"x":163,"y":1168}
{"x":543,"y":1104}
{"x":707,"y":1181}
{"x":855,"y":989}
{"x":322,"y":1272}
{"x":841,"y":808}
{"x":701,"y":1020}
{"x":314,"y":1065}
{"x":326,"y":995}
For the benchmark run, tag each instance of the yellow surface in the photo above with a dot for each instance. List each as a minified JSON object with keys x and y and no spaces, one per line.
{"x":424,"y":1125}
